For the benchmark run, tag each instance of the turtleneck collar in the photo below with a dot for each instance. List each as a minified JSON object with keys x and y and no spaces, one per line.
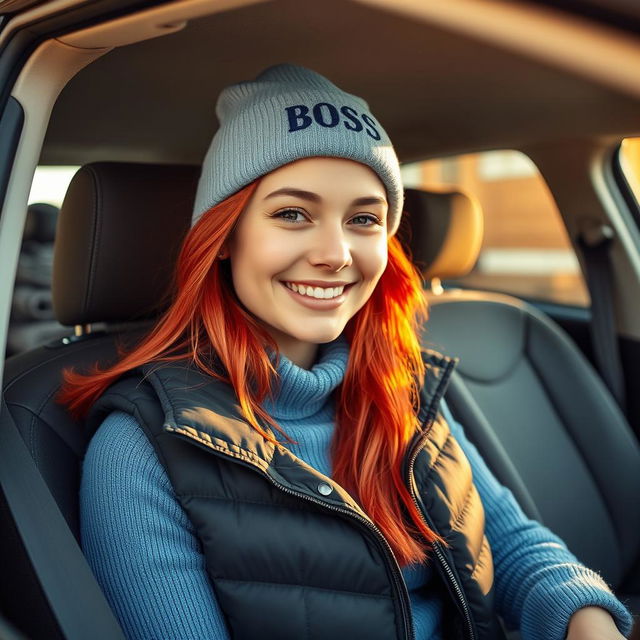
{"x":302,"y":393}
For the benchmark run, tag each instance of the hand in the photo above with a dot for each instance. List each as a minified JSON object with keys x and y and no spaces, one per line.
{"x":592,"y":623}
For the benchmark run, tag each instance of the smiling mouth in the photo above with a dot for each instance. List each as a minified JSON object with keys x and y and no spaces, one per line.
{"x":317,"y":293}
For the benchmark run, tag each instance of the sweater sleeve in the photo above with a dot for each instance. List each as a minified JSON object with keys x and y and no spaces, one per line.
{"x":539,"y":584}
{"x":139,"y":541}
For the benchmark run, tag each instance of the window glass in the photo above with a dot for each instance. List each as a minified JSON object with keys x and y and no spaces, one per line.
{"x":526,"y":251}
{"x":50,"y":184}
{"x":630,"y":163}
{"x":32,"y":320}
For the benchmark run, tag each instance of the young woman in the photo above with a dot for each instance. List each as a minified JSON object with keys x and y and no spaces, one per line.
{"x":275,"y":459}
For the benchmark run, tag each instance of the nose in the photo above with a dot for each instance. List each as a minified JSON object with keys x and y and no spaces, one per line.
{"x":331,"y":249}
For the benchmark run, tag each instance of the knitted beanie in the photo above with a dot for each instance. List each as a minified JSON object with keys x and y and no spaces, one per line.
{"x":285,"y":114}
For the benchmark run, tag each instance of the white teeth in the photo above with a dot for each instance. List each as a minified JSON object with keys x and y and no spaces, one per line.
{"x":316,"y":292}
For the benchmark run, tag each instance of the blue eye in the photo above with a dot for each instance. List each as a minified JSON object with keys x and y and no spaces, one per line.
{"x":366,"y":220}
{"x":290,"y":215}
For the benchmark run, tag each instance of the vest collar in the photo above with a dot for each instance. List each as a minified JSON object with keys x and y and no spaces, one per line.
{"x":438,"y":373}
{"x":208,"y":411}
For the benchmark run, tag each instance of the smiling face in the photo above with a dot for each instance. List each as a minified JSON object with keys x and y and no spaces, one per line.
{"x":309,"y":249}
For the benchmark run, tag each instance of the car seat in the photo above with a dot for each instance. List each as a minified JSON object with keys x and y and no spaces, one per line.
{"x":529,"y":399}
{"x":119,"y":233}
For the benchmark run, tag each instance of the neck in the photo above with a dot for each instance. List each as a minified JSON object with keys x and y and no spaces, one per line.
{"x":300,"y":393}
{"x":302,"y":354}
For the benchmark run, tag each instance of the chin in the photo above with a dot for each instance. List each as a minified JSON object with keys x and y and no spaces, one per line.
{"x":320,"y":337}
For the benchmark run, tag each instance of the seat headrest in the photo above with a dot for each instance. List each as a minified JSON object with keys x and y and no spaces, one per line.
{"x":119,"y":232}
{"x":445,"y":232}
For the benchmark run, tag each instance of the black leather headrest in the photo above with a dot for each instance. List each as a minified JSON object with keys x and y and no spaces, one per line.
{"x":445,"y":231}
{"x":119,"y":232}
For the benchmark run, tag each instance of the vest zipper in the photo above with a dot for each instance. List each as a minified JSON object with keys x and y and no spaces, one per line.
{"x":392,"y":563}
{"x":437,"y":548}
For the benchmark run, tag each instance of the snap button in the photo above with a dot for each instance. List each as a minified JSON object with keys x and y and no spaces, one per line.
{"x":324,"y":488}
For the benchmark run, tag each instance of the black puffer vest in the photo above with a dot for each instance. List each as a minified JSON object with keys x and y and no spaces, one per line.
{"x":288,"y":551}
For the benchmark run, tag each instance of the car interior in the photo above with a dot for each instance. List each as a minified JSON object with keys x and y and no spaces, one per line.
{"x":126,"y":91}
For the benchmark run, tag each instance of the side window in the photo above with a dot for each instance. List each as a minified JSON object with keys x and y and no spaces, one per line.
{"x":630,"y":163}
{"x":32,"y":321}
{"x":526,"y":251}
{"x":50,"y":184}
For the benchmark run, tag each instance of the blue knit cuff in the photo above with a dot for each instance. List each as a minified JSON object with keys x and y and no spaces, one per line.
{"x":548,"y":607}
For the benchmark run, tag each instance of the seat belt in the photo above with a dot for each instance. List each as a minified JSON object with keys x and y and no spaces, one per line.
{"x":595,"y":243}
{"x":70,"y":587}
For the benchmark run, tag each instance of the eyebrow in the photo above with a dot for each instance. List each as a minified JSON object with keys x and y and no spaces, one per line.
{"x":314,"y":197}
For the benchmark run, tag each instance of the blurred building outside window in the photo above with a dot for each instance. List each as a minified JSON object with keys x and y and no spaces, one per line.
{"x":526,"y":251}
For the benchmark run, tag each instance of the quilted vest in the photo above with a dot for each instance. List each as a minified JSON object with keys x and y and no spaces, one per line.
{"x":290,"y":554}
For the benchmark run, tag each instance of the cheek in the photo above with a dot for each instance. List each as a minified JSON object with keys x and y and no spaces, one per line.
{"x":374,"y":262}
{"x":256,"y":261}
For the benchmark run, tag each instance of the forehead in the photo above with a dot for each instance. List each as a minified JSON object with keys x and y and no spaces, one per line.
{"x":324,"y":176}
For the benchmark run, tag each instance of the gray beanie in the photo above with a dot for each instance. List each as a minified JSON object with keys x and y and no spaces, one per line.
{"x":285,"y":114}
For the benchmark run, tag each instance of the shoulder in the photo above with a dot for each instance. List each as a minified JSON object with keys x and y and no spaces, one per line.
{"x":119,"y":434}
{"x":123,"y":480}
{"x":120,"y":455}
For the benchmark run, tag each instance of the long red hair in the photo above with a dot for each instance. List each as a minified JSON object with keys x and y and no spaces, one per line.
{"x":375,"y":418}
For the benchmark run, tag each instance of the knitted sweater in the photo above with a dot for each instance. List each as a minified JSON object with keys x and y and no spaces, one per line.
{"x":143,"y":550}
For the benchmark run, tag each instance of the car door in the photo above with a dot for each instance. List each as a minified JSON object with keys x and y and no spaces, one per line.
{"x":25,"y":29}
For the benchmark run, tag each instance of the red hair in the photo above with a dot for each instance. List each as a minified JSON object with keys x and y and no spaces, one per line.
{"x":375,"y":419}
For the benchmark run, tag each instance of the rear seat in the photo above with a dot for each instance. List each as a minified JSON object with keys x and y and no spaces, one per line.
{"x":32,"y":319}
{"x":530,"y":401}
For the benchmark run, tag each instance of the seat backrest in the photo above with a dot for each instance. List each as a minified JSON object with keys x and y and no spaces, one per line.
{"x":119,"y":231}
{"x":552,"y":415}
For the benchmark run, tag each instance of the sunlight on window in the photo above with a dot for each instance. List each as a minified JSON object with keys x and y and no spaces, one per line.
{"x":526,"y":250}
{"x":630,"y":163}
{"x":50,"y":184}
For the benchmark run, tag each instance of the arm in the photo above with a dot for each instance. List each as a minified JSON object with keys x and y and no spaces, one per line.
{"x":593,"y":623}
{"x":139,"y":541}
{"x":539,"y":584}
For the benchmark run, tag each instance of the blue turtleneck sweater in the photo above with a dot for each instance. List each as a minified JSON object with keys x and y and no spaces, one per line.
{"x":143,"y":550}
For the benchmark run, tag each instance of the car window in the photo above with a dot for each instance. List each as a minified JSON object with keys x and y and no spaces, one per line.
{"x":32,"y":322}
{"x":630,"y":164}
{"x":526,"y":250}
{"x":50,"y":184}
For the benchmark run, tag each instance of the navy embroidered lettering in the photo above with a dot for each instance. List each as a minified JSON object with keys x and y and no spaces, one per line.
{"x":327,"y":115}
{"x":371,"y":122}
{"x":355,"y":124}
{"x":319,"y":116}
{"x":298,"y":118}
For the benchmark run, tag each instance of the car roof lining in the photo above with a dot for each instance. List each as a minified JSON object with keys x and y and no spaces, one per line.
{"x":443,"y":92}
